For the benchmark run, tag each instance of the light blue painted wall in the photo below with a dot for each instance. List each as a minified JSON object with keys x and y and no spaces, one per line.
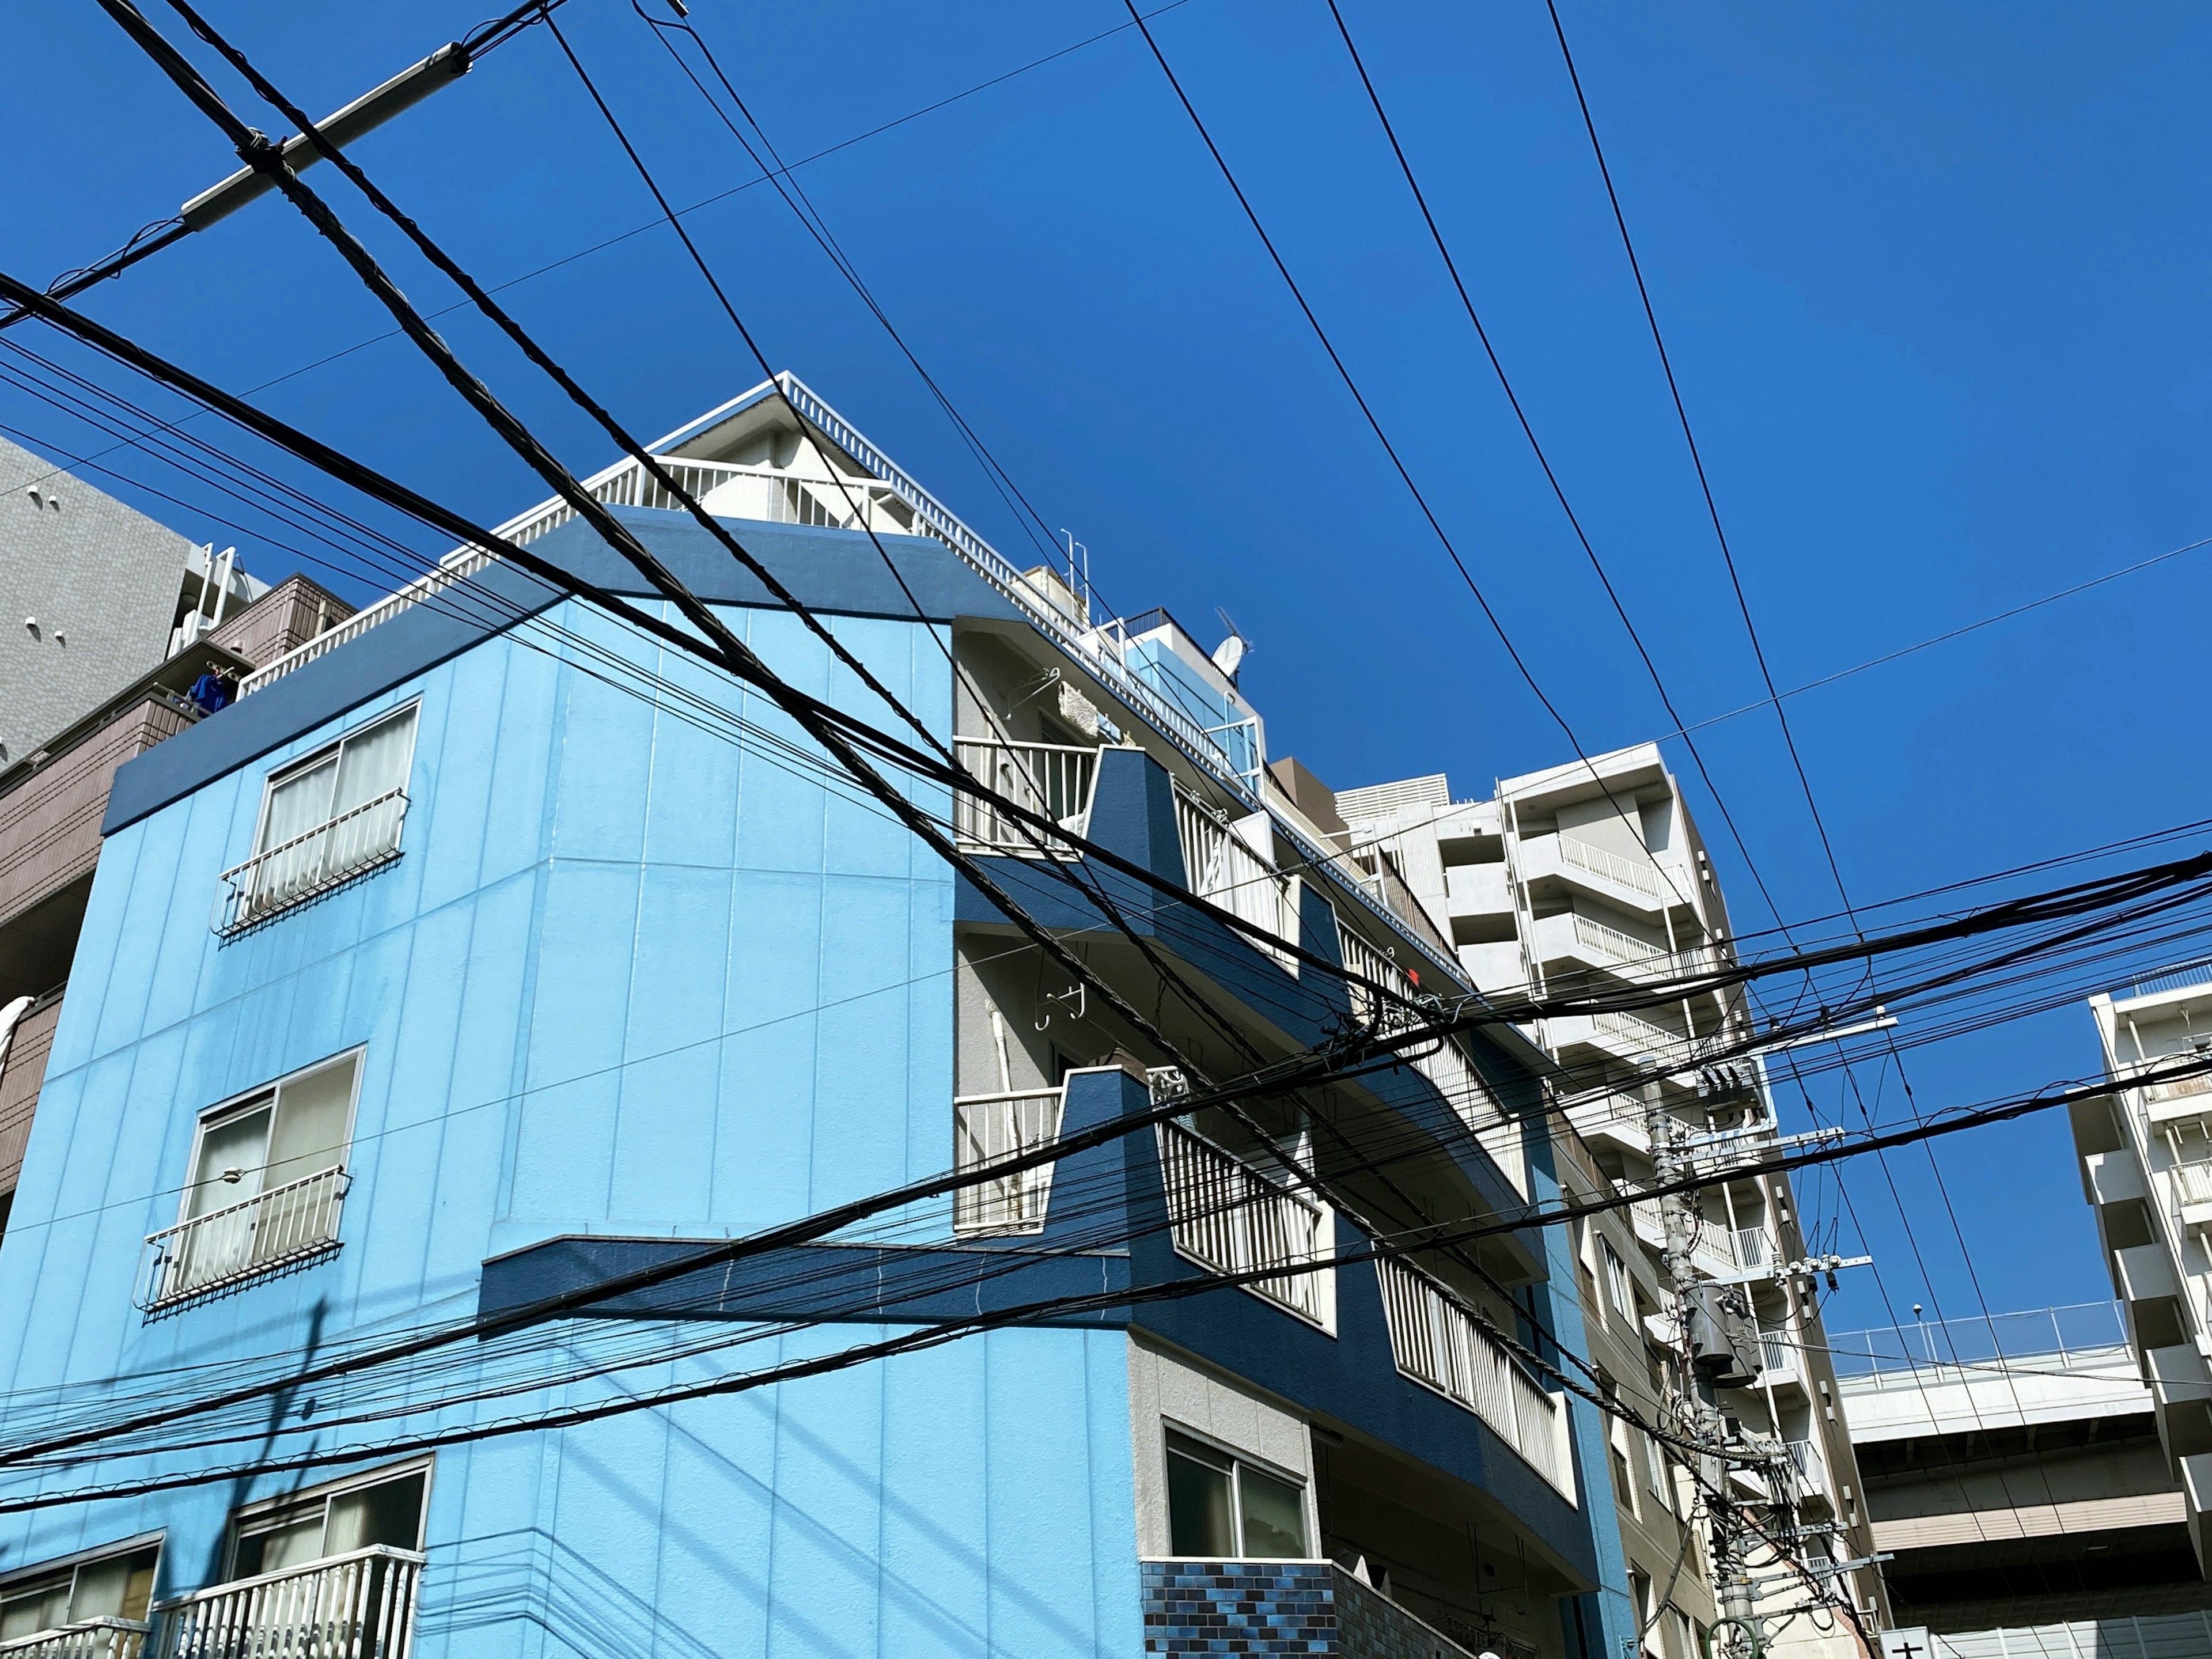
{"x":626,"y":977}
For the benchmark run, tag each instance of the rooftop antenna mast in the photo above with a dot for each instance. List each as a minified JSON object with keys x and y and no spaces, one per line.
{"x":1079,"y":580}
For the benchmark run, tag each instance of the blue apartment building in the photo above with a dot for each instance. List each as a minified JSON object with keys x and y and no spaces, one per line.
{"x":488,"y":950}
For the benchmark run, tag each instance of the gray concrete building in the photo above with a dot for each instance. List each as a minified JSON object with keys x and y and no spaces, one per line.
{"x":93,"y":594}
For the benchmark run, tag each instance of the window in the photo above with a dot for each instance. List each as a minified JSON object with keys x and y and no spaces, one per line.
{"x":117,"y":1585}
{"x":331,"y":816}
{"x":1221,"y":1508}
{"x":1620,"y":1298}
{"x":266,"y":1177}
{"x":1655,"y":1468}
{"x":384,"y":1508}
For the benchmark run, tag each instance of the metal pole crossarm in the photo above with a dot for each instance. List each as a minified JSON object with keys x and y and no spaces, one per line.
{"x":1883,"y":1021}
{"x":365,"y":114}
{"x":1811,"y":1264}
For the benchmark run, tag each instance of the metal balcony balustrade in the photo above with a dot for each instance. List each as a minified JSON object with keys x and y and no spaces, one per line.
{"x":1439,"y":1344}
{"x":1226,"y":1215}
{"x":1641,"y":876}
{"x":1777,"y":1354}
{"x":351,"y":844}
{"x":272,"y":1229}
{"x":1641,"y":958}
{"x":2184,"y":1088}
{"x":1054,"y":781}
{"x":92,"y":1638}
{"x":987,"y":1128}
{"x":355,"y":1606}
{"x":2193,"y":1183}
{"x":1812,"y":1468}
{"x":1223,"y":869}
{"x":1644,"y":1035}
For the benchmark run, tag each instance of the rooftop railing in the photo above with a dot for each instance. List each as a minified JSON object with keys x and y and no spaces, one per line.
{"x":2087,"y":1330}
{"x":459,"y":567}
{"x":1226,"y":1215}
{"x":355,"y":1606}
{"x":1436,"y":1341}
{"x":271,"y":1229}
{"x":90,"y":1638}
{"x":351,"y":844}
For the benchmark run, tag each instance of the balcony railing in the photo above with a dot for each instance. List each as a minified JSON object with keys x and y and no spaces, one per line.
{"x":355,"y":841}
{"x":2193,"y":1183}
{"x":92,"y":1638}
{"x":1438,"y":1342}
{"x":358,"y":1606}
{"x":1639,"y":958}
{"x":987,"y":1128}
{"x":1812,"y":1468}
{"x":1222,"y":868}
{"x":1053,"y":780}
{"x":2179,"y":1089}
{"x":1226,"y":1215}
{"x":1753,"y":1249}
{"x":1640,"y":874}
{"x":1646,"y":1036}
{"x":258,"y":1235}
{"x":1775,"y":1354}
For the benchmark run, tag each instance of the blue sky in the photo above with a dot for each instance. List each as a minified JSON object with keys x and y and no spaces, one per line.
{"x":1932,"y":279}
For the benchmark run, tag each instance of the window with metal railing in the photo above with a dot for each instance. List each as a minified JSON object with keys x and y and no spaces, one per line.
{"x":331,"y":1571}
{"x":94,"y":1607}
{"x":325,"y":820}
{"x":267,"y":1179}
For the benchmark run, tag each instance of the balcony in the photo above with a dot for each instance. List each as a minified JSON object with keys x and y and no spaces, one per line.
{"x":1476,"y":889}
{"x":1636,"y":884}
{"x":2182,"y":1099}
{"x":1575,"y":938}
{"x":94,"y":1638}
{"x":358,"y":1606}
{"x":352,"y":844}
{"x":1053,"y":780}
{"x":1227,"y":1217}
{"x":1811,"y":1468}
{"x":1623,"y":1036}
{"x":988,"y":1128}
{"x":1777,"y":1357}
{"x":283,"y":1227}
{"x":1287,"y":1606}
{"x":1224,"y":868}
{"x":1439,"y":1344}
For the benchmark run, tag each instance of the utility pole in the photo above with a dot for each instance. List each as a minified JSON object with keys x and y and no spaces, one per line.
{"x":1715,"y":1314}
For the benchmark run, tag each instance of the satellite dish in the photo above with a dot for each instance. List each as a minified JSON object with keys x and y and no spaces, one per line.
{"x":1228,"y":655}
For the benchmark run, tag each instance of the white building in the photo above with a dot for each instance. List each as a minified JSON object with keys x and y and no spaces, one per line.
{"x":2147,"y":1169}
{"x":1592,"y":875}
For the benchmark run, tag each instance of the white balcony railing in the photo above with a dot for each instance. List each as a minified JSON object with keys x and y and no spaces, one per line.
{"x":1646,"y":1036}
{"x":269,"y":1230}
{"x":1639,"y":958}
{"x":1438,"y":1342}
{"x":1226,"y":1215}
{"x":1812,"y":1468}
{"x":92,"y":1638}
{"x":294,"y":871}
{"x":358,"y":1606}
{"x":2193,"y":1183}
{"x":987,"y":1128}
{"x":1640,"y":875}
{"x":1753,"y":1249}
{"x":1775,"y":1354}
{"x":1224,"y":868}
{"x":2179,"y":1089}
{"x":1054,"y":781}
